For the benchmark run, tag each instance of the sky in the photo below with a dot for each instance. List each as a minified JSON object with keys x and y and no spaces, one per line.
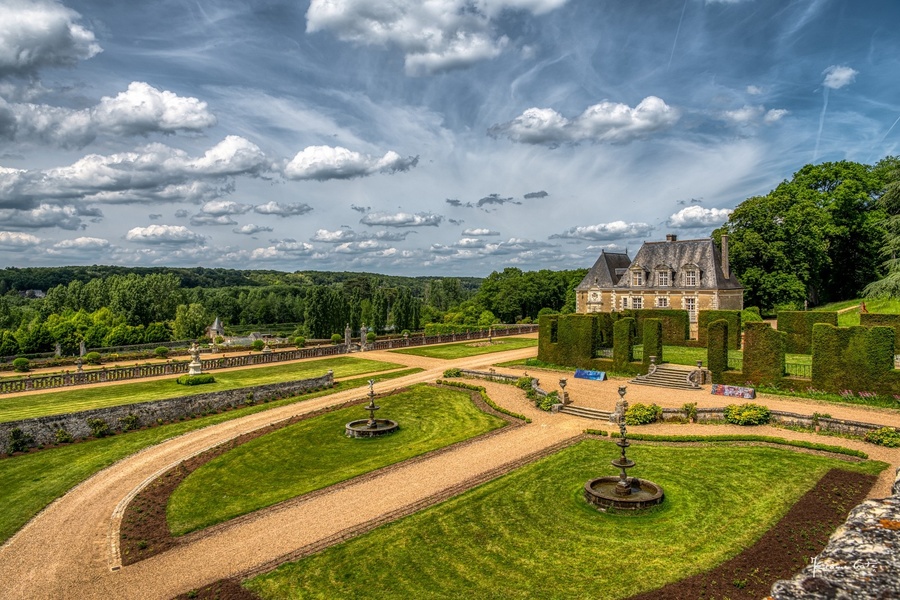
{"x":419,"y":137}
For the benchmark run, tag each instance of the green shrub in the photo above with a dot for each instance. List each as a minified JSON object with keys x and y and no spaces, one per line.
{"x":99,"y":428}
{"x":19,"y":441}
{"x":63,"y":436}
{"x":524,"y":383}
{"x":161,"y":352}
{"x":732,"y":317}
{"x":690,"y":410}
{"x":751,"y":313}
{"x":370,"y":337}
{"x":299,"y":341}
{"x":259,"y":345}
{"x":798,"y":327}
{"x":92,"y":358}
{"x":643,"y":414}
{"x":21,"y":365}
{"x":195,"y":379}
{"x":453,"y":373}
{"x":405,"y":333}
{"x":336,"y":339}
{"x":886,"y":436}
{"x":219,"y":339}
{"x":747,"y":414}
{"x":128,"y":422}
{"x":547,"y":402}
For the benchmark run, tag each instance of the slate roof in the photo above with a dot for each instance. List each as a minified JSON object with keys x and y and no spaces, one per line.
{"x":603,"y":273}
{"x":678,"y":254}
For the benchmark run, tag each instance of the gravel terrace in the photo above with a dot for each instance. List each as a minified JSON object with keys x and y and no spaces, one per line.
{"x":70,"y":549}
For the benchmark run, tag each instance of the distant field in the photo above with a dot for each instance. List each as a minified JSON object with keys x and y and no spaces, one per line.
{"x":74,"y":400}
{"x":873,"y":305}
{"x":471,"y":348}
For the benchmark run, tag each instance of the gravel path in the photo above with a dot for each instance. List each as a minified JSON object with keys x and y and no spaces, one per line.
{"x":69,"y":550}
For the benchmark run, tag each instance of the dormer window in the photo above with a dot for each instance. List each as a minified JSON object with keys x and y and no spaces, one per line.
{"x":637,"y":278}
{"x":662,"y":279}
{"x":690,"y":278}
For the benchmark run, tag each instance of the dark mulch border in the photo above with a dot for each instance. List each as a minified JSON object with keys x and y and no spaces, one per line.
{"x":783,"y":550}
{"x":144,"y":531}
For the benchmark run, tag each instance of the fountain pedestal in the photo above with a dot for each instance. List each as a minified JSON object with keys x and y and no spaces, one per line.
{"x":370,"y":427}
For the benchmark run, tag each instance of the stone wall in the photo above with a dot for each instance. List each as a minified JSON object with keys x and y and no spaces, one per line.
{"x":862,"y":559}
{"x":43,"y":429}
{"x":786,"y":418}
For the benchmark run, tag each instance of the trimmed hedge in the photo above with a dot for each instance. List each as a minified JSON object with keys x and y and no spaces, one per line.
{"x":623,"y":341}
{"x":880,"y":320}
{"x":653,"y":340}
{"x":733,"y":317}
{"x":675,"y":323}
{"x":747,"y":414}
{"x":764,"y":350}
{"x":643,"y":414}
{"x":201,"y":379}
{"x":798,"y":326}
{"x":487,"y":399}
{"x":717,"y":347}
{"x":574,"y":337}
{"x":855,"y":359}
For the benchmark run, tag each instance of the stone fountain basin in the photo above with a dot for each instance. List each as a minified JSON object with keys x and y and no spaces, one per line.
{"x":601,"y":492}
{"x":360,"y":428}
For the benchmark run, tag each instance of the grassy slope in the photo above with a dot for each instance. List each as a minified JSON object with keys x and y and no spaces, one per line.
{"x":315,"y":453}
{"x":531,"y":534}
{"x":465,"y":349}
{"x":74,"y":400}
{"x":30,"y":482}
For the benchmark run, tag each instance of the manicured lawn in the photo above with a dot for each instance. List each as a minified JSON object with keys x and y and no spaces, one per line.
{"x":681,"y":355}
{"x":29,"y":482}
{"x":873,"y":305}
{"x":65,"y":401}
{"x":470,"y":348}
{"x":531,"y":534}
{"x":315,"y":453}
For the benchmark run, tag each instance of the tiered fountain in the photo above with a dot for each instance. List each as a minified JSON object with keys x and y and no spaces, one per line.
{"x":622,"y":492}
{"x":370,"y":427}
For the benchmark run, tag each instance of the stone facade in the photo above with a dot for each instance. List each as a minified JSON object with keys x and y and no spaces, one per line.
{"x":691,"y":275}
{"x":861,"y":560}
{"x":43,"y":429}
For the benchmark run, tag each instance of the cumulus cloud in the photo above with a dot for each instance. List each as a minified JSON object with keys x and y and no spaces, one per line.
{"x":364,"y":247}
{"x":205,"y":219}
{"x":495,"y":199}
{"x":251,"y":229}
{"x":334,"y":237}
{"x":14,"y":240}
{"x":752,"y":115}
{"x":82,"y":243}
{"x":605,"y":231}
{"x":697,"y":216}
{"x":360,"y":209}
{"x":838,"y":76}
{"x":774,"y":115}
{"x":156,"y":173}
{"x":402,"y":219}
{"x":480,"y":232}
{"x":225,"y":207}
{"x":283,"y":250}
{"x":283,"y":210}
{"x":321,"y":163}
{"x":164,"y":234}
{"x":532,"y":195}
{"x":49,"y":215}
{"x":606,"y":122}
{"x":469,"y":248}
{"x":39,"y":34}
{"x":435,"y":36}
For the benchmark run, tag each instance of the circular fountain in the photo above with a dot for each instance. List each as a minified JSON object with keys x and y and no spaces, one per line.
{"x":622,"y":492}
{"x":370,"y":427}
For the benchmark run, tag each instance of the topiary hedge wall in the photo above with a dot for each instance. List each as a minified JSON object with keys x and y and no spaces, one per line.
{"x":548,"y":338}
{"x":675,"y":323}
{"x":764,"y":350}
{"x":859,"y":359}
{"x":653,"y":341}
{"x":798,"y":326}
{"x":879,"y":320}
{"x":717,"y":348}
{"x":623,"y":340}
{"x":733,"y":317}
{"x":604,"y":334}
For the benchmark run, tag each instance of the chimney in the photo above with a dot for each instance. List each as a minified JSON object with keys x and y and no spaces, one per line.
{"x":671,"y":237}
{"x":725,"y":266}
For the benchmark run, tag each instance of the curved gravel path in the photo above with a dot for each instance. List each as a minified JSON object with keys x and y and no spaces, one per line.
{"x":69,"y":550}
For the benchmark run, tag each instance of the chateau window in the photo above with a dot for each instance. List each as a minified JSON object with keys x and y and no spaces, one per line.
{"x":662,"y":278}
{"x":690,"y":278}
{"x":637,"y":278}
{"x":625,"y":303}
{"x":637,"y":303}
{"x":690,"y":305}
{"x":662,"y":302}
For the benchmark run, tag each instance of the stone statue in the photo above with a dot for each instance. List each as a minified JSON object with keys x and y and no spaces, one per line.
{"x":362,"y":336}
{"x":348,"y":333}
{"x":81,"y":349}
{"x":195,"y":367}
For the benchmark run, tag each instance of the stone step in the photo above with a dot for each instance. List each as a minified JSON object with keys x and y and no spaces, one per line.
{"x":586,"y":412}
{"x":667,"y":376}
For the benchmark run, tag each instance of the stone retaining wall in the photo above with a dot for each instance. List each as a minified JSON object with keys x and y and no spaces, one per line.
{"x":787,"y":418}
{"x":861,"y":560}
{"x":43,"y":429}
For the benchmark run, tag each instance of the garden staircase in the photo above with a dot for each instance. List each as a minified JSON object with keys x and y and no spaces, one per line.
{"x":585,"y":412}
{"x":670,"y":376}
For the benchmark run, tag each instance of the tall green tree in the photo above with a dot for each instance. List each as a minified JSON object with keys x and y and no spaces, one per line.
{"x":191,"y":321}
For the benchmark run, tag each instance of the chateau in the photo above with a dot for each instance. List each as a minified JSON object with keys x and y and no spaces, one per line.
{"x":691,"y":275}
